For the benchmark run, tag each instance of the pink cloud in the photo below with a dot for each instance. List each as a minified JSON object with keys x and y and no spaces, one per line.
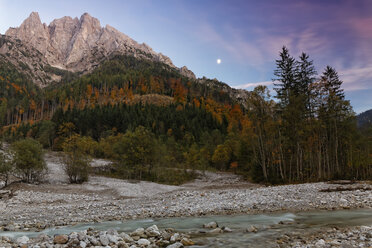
{"x":252,"y":85}
{"x":357,"y":78}
{"x":362,"y":26}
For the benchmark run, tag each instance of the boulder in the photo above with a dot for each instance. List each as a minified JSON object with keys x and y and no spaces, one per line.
{"x":60,"y":239}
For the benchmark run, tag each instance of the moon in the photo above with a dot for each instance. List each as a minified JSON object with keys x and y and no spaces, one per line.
{"x":219,"y":61}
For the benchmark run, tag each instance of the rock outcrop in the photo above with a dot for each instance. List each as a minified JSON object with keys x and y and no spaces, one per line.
{"x":79,"y":45}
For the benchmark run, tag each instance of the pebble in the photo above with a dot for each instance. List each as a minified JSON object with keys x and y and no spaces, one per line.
{"x":75,"y":208}
{"x":109,"y":238}
{"x":143,"y":242}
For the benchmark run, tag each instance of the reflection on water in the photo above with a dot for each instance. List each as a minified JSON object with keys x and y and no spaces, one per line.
{"x":267,"y":224}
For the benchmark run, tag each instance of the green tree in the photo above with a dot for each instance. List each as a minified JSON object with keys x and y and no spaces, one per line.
{"x":136,"y":150}
{"x":6,"y":168}
{"x":221,"y":156}
{"x":77,"y":162}
{"x":28,"y":160}
{"x":46,"y":133}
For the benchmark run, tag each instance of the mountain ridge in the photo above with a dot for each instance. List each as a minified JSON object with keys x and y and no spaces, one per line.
{"x":80,"y":45}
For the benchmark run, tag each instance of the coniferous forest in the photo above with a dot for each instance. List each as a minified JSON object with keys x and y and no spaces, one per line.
{"x":154,"y":122}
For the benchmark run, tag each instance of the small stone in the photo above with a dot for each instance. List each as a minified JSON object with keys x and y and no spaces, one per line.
{"x":83,"y":244}
{"x":126,"y":237}
{"x":153,"y":231}
{"x":104,"y":240}
{"x":162,"y":243}
{"x":143,"y":242}
{"x":122,"y":244}
{"x":6,"y":239}
{"x":211,"y":225}
{"x":166,"y":235}
{"x":320,"y":243}
{"x":136,"y":238}
{"x":138,"y":232}
{"x":175,"y":245}
{"x":252,"y":229}
{"x":216,"y":230}
{"x":112,"y":238}
{"x":60,"y":239}
{"x":226,"y":229}
{"x":175,"y":237}
{"x":93,"y":241}
{"x":187,"y":242}
{"x":22,"y":240}
{"x":112,"y":232}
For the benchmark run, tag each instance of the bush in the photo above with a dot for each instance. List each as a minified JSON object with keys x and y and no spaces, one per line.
{"x":28,"y":160}
{"x":5,"y":168}
{"x":77,"y":167}
{"x":77,"y":163}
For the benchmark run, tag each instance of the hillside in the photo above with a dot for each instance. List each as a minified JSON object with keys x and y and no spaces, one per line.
{"x":365,"y":118}
{"x":73,"y":85}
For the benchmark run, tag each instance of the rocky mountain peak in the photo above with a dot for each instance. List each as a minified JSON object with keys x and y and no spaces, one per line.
{"x":81,"y":44}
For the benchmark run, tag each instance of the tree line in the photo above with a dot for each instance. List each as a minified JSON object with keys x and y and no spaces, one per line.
{"x":308,"y":133}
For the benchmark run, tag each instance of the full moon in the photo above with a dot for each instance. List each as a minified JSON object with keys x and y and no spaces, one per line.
{"x":218,"y":61}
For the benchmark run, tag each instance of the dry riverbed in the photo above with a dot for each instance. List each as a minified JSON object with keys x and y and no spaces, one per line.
{"x":56,"y":203}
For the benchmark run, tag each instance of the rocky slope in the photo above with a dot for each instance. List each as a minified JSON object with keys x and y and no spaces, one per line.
{"x":79,"y":45}
{"x":27,"y":60}
{"x":47,"y":53}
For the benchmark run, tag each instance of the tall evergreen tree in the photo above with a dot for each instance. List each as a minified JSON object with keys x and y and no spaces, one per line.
{"x":285,"y":80}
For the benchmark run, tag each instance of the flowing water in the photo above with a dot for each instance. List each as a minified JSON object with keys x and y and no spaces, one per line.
{"x":268,"y":225}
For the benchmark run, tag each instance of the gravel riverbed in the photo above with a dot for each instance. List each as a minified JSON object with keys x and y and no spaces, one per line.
{"x":56,"y":203}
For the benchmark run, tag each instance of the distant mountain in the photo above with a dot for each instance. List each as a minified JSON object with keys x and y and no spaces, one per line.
{"x":77,"y":45}
{"x":365,"y":118}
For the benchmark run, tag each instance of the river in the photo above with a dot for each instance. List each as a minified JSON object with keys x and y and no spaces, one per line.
{"x":270,"y":226}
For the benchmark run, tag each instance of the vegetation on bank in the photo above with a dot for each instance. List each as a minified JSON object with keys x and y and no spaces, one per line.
{"x":308,"y":134}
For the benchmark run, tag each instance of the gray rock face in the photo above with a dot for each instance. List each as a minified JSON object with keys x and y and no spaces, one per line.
{"x":79,"y":44}
{"x":187,"y":73}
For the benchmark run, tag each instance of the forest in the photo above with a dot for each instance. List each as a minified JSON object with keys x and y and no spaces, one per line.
{"x":158,"y":125}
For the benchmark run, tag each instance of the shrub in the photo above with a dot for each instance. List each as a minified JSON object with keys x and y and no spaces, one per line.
{"x":77,"y":162}
{"x":77,"y":167}
{"x":5,"y":168}
{"x":28,"y":160}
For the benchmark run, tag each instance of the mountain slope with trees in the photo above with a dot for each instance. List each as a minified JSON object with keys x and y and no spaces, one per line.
{"x":158,"y":124}
{"x":365,"y":118}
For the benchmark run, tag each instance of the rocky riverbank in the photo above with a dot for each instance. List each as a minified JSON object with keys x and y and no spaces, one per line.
{"x":37,"y":207}
{"x":332,"y":237}
{"x":149,"y":237}
{"x":56,"y":203}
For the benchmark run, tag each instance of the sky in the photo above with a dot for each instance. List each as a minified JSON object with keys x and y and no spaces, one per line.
{"x":244,"y":35}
